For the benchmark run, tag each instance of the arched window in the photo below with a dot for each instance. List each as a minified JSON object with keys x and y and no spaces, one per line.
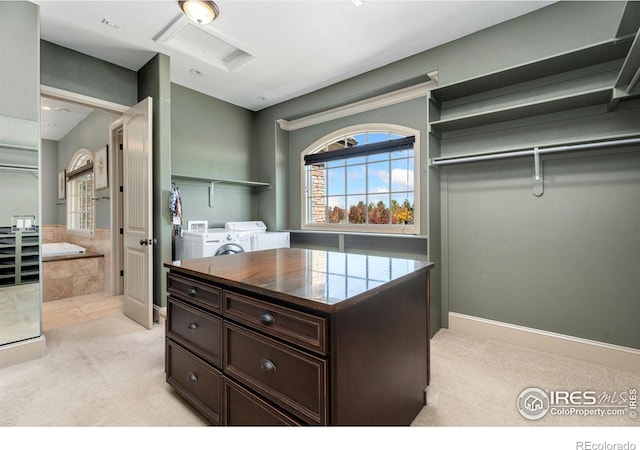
{"x":80,"y":193}
{"x":363,"y":179}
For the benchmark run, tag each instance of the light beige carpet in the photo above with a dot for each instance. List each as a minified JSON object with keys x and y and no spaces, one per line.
{"x":110,"y":372}
{"x":104,"y":372}
{"x":476,"y":382}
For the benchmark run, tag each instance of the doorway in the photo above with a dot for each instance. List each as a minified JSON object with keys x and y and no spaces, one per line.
{"x":82,"y":306}
{"x":130,"y":189}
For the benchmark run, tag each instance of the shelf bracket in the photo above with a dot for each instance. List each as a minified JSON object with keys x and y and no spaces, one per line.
{"x":538,"y":178}
{"x":212,"y":187}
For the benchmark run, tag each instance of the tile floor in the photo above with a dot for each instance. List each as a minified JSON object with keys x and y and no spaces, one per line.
{"x":67,"y":311}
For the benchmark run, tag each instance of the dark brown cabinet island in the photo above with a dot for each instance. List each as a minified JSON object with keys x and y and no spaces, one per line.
{"x":299,"y":337}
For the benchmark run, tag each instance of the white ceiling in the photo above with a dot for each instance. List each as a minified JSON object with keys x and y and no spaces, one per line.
{"x":294,"y":47}
{"x":58,"y":118}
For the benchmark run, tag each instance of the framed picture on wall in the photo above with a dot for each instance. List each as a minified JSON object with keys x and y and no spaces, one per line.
{"x":100,"y":169}
{"x":62,"y":184}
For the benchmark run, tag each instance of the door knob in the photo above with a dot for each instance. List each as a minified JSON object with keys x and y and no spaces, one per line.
{"x":148,"y":241}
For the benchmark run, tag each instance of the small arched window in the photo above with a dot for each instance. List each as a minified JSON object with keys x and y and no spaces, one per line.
{"x":363,"y":179}
{"x":80,"y":193}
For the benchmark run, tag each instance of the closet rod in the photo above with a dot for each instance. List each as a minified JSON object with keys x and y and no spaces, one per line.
{"x":18,"y":147}
{"x":18,"y":167}
{"x":538,"y":151}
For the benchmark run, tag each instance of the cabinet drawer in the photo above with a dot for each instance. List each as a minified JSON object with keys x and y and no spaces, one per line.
{"x":294,"y":380}
{"x":197,"y":382}
{"x":194,"y":291}
{"x":197,"y":330}
{"x":293,"y":326}
{"x":243,"y":408}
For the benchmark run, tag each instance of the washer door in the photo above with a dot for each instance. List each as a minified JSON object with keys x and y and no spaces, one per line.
{"x":229,"y":249}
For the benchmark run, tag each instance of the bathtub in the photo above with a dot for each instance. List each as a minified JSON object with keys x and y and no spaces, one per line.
{"x":69,"y":270}
{"x":61,"y":249}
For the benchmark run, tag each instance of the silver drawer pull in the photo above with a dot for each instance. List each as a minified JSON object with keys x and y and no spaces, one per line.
{"x":192,"y":376}
{"x":267,"y":318}
{"x":192,"y":291}
{"x":192,"y":326}
{"x":267,"y":365}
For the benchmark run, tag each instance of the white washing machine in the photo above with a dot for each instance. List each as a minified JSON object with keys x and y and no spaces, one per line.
{"x":213,"y":242}
{"x":261,"y":239}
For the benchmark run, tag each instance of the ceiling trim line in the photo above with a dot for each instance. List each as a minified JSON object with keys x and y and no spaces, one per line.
{"x":61,"y":94}
{"x":388,"y":99}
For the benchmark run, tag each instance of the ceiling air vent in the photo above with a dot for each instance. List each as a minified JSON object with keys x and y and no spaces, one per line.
{"x":201,"y":43}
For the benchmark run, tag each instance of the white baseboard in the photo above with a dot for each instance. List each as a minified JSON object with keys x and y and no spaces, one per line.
{"x":159,"y":314}
{"x":22,"y":351}
{"x":623,"y":358}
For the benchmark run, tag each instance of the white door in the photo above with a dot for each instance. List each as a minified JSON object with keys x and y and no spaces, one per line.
{"x":137,"y":213}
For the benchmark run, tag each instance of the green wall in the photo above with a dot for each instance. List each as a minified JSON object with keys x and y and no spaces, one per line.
{"x":559,"y":28}
{"x":91,"y":133}
{"x":49,"y":182}
{"x":566,"y":262}
{"x":154,"y":80}
{"x":72,"y":71}
{"x":212,"y":139}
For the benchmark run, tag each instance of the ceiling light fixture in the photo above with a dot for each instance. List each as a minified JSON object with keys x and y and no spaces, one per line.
{"x":195,"y":72}
{"x":200,"y":12}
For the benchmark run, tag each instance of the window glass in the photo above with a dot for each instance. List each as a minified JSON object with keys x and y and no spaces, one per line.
{"x":373,"y":190}
{"x":80,"y":191}
{"x":356,"y":180}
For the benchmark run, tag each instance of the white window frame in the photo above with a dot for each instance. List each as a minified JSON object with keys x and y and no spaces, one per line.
{"x":411,"y":229}
{"x":71,"y":229}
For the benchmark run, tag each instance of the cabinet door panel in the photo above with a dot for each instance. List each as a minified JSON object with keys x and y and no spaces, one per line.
{"x":198,"y":331}
{"x":199,"y":383}
{"x":195,"y":291}
{"x":292,"y":379}
{"x":299,"y":328}
{"x":243,"y":408}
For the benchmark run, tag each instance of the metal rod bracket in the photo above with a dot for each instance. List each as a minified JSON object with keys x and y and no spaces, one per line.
{"x":212,"y":187}
{"x":538,"y":179}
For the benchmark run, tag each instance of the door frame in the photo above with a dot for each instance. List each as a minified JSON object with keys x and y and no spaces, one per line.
{"x":112,"y":284}
{"x":114,"y":162}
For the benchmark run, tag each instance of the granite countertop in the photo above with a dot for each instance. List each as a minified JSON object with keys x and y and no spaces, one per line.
{"x":321,"y":280}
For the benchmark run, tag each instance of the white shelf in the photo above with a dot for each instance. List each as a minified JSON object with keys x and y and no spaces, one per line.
{"x":527,"y":109}
{"x":211,"y":183}
{"x":221,"y":180}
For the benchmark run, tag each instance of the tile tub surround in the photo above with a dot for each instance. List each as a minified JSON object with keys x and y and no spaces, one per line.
{"x":72,"y":276}
{"x":99,"y":243}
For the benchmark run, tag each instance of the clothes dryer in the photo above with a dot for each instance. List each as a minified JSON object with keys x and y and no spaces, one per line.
{"x":256,"y":232}
{"x":213,"y":242}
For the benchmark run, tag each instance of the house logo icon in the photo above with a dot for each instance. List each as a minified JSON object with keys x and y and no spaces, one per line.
{"x":533,"y":403}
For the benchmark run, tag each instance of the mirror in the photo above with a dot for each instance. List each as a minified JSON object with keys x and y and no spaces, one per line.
{"x":20,"y":304}
{"x":20,"y":288}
